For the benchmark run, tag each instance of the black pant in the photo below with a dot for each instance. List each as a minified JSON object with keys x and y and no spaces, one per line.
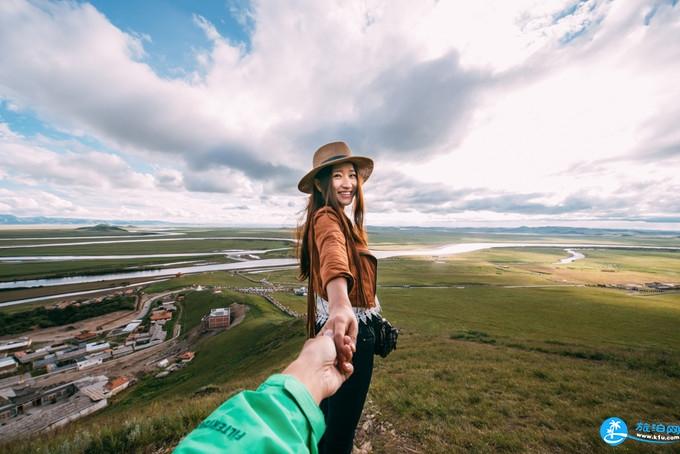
{"x":343,"y":409}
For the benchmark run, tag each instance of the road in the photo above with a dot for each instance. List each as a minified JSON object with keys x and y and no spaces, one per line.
{"x":104,"y":322}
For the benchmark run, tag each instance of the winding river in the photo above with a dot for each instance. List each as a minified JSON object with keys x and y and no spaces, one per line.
{"x":573,"y":256}
{"x":451,"y":249}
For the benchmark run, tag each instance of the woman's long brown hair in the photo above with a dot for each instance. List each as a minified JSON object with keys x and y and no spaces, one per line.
{"x":354,"y":233}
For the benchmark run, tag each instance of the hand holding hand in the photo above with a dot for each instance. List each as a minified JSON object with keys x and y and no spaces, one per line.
{"x":316,"y":366}
{"x":341,"y":321}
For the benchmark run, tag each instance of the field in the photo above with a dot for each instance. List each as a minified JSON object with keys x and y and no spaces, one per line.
{"x":500,"y":350}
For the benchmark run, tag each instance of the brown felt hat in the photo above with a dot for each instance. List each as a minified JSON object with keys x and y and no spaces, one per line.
{"x":330,"y":155}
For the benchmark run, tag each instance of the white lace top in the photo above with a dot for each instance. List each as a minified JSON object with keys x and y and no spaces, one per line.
{"x":362,"y":313}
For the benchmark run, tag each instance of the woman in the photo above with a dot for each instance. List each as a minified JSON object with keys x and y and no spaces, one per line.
{"x":341,"y":274}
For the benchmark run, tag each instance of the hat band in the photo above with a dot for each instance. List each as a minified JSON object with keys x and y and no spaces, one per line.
{"x":340,"y":156}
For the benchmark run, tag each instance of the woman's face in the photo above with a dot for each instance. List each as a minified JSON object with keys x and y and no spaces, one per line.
{"x":344,"y":179}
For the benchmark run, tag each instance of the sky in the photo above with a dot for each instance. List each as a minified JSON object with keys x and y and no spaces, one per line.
{"x":495,"y":113}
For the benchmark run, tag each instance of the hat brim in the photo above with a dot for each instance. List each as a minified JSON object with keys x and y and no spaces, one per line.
{"x":363,"y":165}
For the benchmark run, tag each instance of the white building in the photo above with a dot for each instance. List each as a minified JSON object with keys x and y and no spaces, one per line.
{"x":130,"y":327}
{"x":91,"y":362}
{"x":95,"y":347}
{"x":15,"y":344}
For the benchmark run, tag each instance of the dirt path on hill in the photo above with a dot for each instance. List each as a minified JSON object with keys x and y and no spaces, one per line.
{"x":375,"y":430}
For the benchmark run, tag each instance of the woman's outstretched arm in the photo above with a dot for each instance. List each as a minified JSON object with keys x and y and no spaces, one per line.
{"x":342,"y":321}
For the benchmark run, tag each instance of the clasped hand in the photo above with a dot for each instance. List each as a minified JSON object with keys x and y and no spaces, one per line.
{"x":343,"y":324}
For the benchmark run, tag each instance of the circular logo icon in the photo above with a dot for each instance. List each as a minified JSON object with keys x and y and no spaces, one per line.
{"x":613,"y":431}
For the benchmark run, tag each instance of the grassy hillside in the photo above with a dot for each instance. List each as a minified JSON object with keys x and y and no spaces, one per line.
{"x":513,"y":370}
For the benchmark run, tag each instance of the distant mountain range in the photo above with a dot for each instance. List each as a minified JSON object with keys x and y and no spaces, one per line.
{"x":9,"y":219}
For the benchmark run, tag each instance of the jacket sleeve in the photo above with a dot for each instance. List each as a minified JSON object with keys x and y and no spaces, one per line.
{"x":280,"y":416}
{"x":332,"y":247}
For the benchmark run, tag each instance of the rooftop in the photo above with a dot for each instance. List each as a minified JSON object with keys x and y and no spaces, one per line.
{"x":116,"y":382}
{"x":219,"y":312}
{"x":161,"y":315}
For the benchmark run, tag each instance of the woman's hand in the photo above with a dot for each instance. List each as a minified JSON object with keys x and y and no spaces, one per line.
{"x":342,"y":322}
{"x":316,"y":366}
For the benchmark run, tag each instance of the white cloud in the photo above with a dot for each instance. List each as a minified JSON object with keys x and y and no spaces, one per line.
{"x":35,"y":202}
{"x":36,"y":165}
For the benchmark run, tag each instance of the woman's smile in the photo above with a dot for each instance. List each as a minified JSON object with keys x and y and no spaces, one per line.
{"x":345,"y":197}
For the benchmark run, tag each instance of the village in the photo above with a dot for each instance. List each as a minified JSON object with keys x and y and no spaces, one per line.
{"x":47,"y":384}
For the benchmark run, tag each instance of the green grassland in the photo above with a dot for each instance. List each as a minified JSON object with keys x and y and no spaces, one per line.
{"x":527,"y":369}
{"x":629,"y":265}
{"x":285,"y":277}
{"x":500,"y":350}
{"x":495,"y":266}
{"x":297,"y":303}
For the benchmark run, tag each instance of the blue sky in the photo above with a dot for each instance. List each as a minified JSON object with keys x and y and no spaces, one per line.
{"x":172,"y":34}
{"x":514,"y":113}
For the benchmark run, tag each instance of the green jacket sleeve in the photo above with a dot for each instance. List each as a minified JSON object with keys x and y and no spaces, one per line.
{"x":280,"y":416}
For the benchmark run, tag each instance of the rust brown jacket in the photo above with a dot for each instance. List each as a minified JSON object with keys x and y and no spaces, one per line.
{"x":332,"y":258}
